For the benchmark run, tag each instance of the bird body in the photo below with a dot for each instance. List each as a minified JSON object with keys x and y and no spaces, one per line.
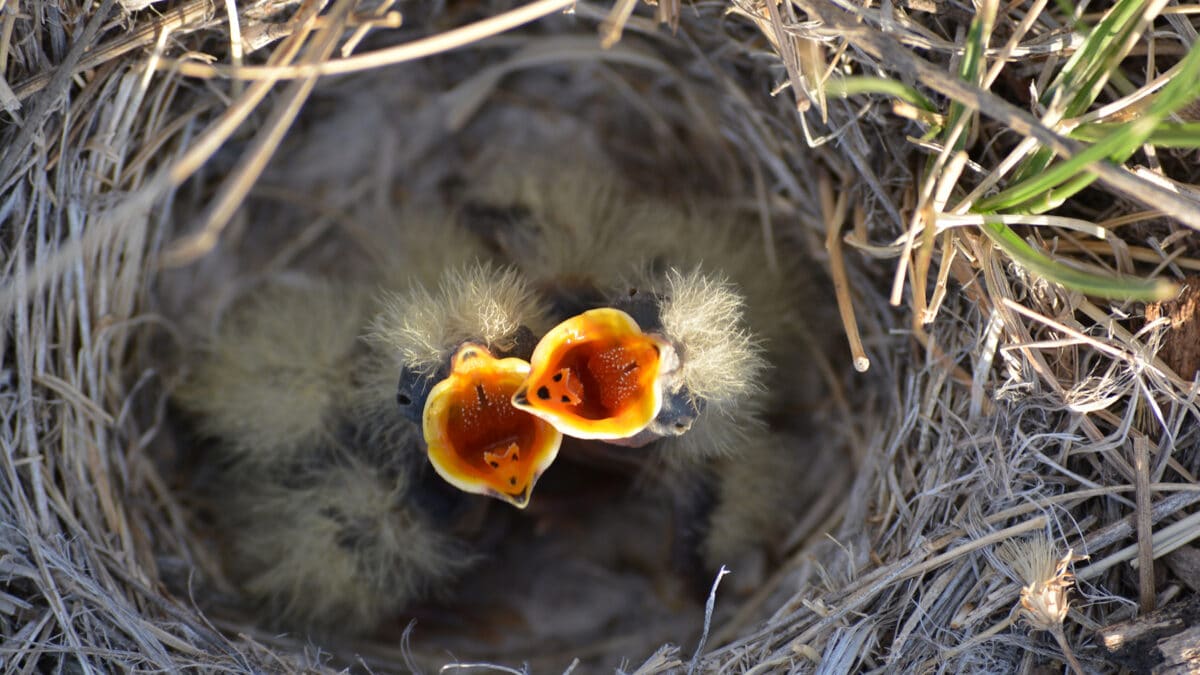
{"x":329,"y":510}
{"x":317,"y":483}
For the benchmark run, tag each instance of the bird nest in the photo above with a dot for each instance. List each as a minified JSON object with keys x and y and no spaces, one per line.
{"x":1006,"y":438}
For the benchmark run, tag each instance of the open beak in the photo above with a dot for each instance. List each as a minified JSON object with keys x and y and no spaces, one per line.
{"x":598,"y":376}
{"x":477,"y":441}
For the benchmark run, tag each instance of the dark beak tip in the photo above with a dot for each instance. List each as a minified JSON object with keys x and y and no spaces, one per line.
{"x":522,"y":500}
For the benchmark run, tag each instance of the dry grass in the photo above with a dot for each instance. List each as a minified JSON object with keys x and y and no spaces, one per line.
{"x":996,"y":406}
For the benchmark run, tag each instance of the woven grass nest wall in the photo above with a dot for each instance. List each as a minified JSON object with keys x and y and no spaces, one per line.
{"x":995,"y":203}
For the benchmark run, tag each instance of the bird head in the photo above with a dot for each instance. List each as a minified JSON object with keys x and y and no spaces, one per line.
{"x":598,"y":375}
{"x":477,"y":441}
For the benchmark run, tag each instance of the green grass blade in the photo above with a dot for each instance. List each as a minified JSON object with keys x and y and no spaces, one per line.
{"x":1083,"y":76}
{"x":1085,"y":73}
{"x":1167,"y":135}
{"x":1117,"y":146}
{"x":970,"y":69}
{"x":1085,"y":282}
{"x":849,"y":86}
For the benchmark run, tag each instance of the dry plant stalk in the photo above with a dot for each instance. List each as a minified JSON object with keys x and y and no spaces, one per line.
{"x":1048,"y":580}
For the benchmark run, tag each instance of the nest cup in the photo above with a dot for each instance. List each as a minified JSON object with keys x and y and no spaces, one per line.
{"x":1007,"y":425}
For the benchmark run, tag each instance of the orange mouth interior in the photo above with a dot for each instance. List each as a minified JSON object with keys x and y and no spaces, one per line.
{"x":595,"y":376}
{"x":477,"y":440}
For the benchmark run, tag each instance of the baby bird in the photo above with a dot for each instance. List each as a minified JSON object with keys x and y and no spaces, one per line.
{"x":602,"y":374}
{"x":673,"y":335}
{"x":598,"y":376}
{"x":476,"y":440}
{"x":333,"y":505}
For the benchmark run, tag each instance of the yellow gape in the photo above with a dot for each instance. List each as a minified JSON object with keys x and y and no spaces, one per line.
{"x":596,"y":376}
{"x":477,"y":440}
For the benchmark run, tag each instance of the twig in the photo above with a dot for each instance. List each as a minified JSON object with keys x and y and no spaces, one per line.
{"x":191,"y":14}
{"x":237,"y":185}
{"x":57,"y":87}
{"x":709,"y":607}
{"x":834,"y":215}
{"x":1145,"y":532}
{"x":411,"y":51}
